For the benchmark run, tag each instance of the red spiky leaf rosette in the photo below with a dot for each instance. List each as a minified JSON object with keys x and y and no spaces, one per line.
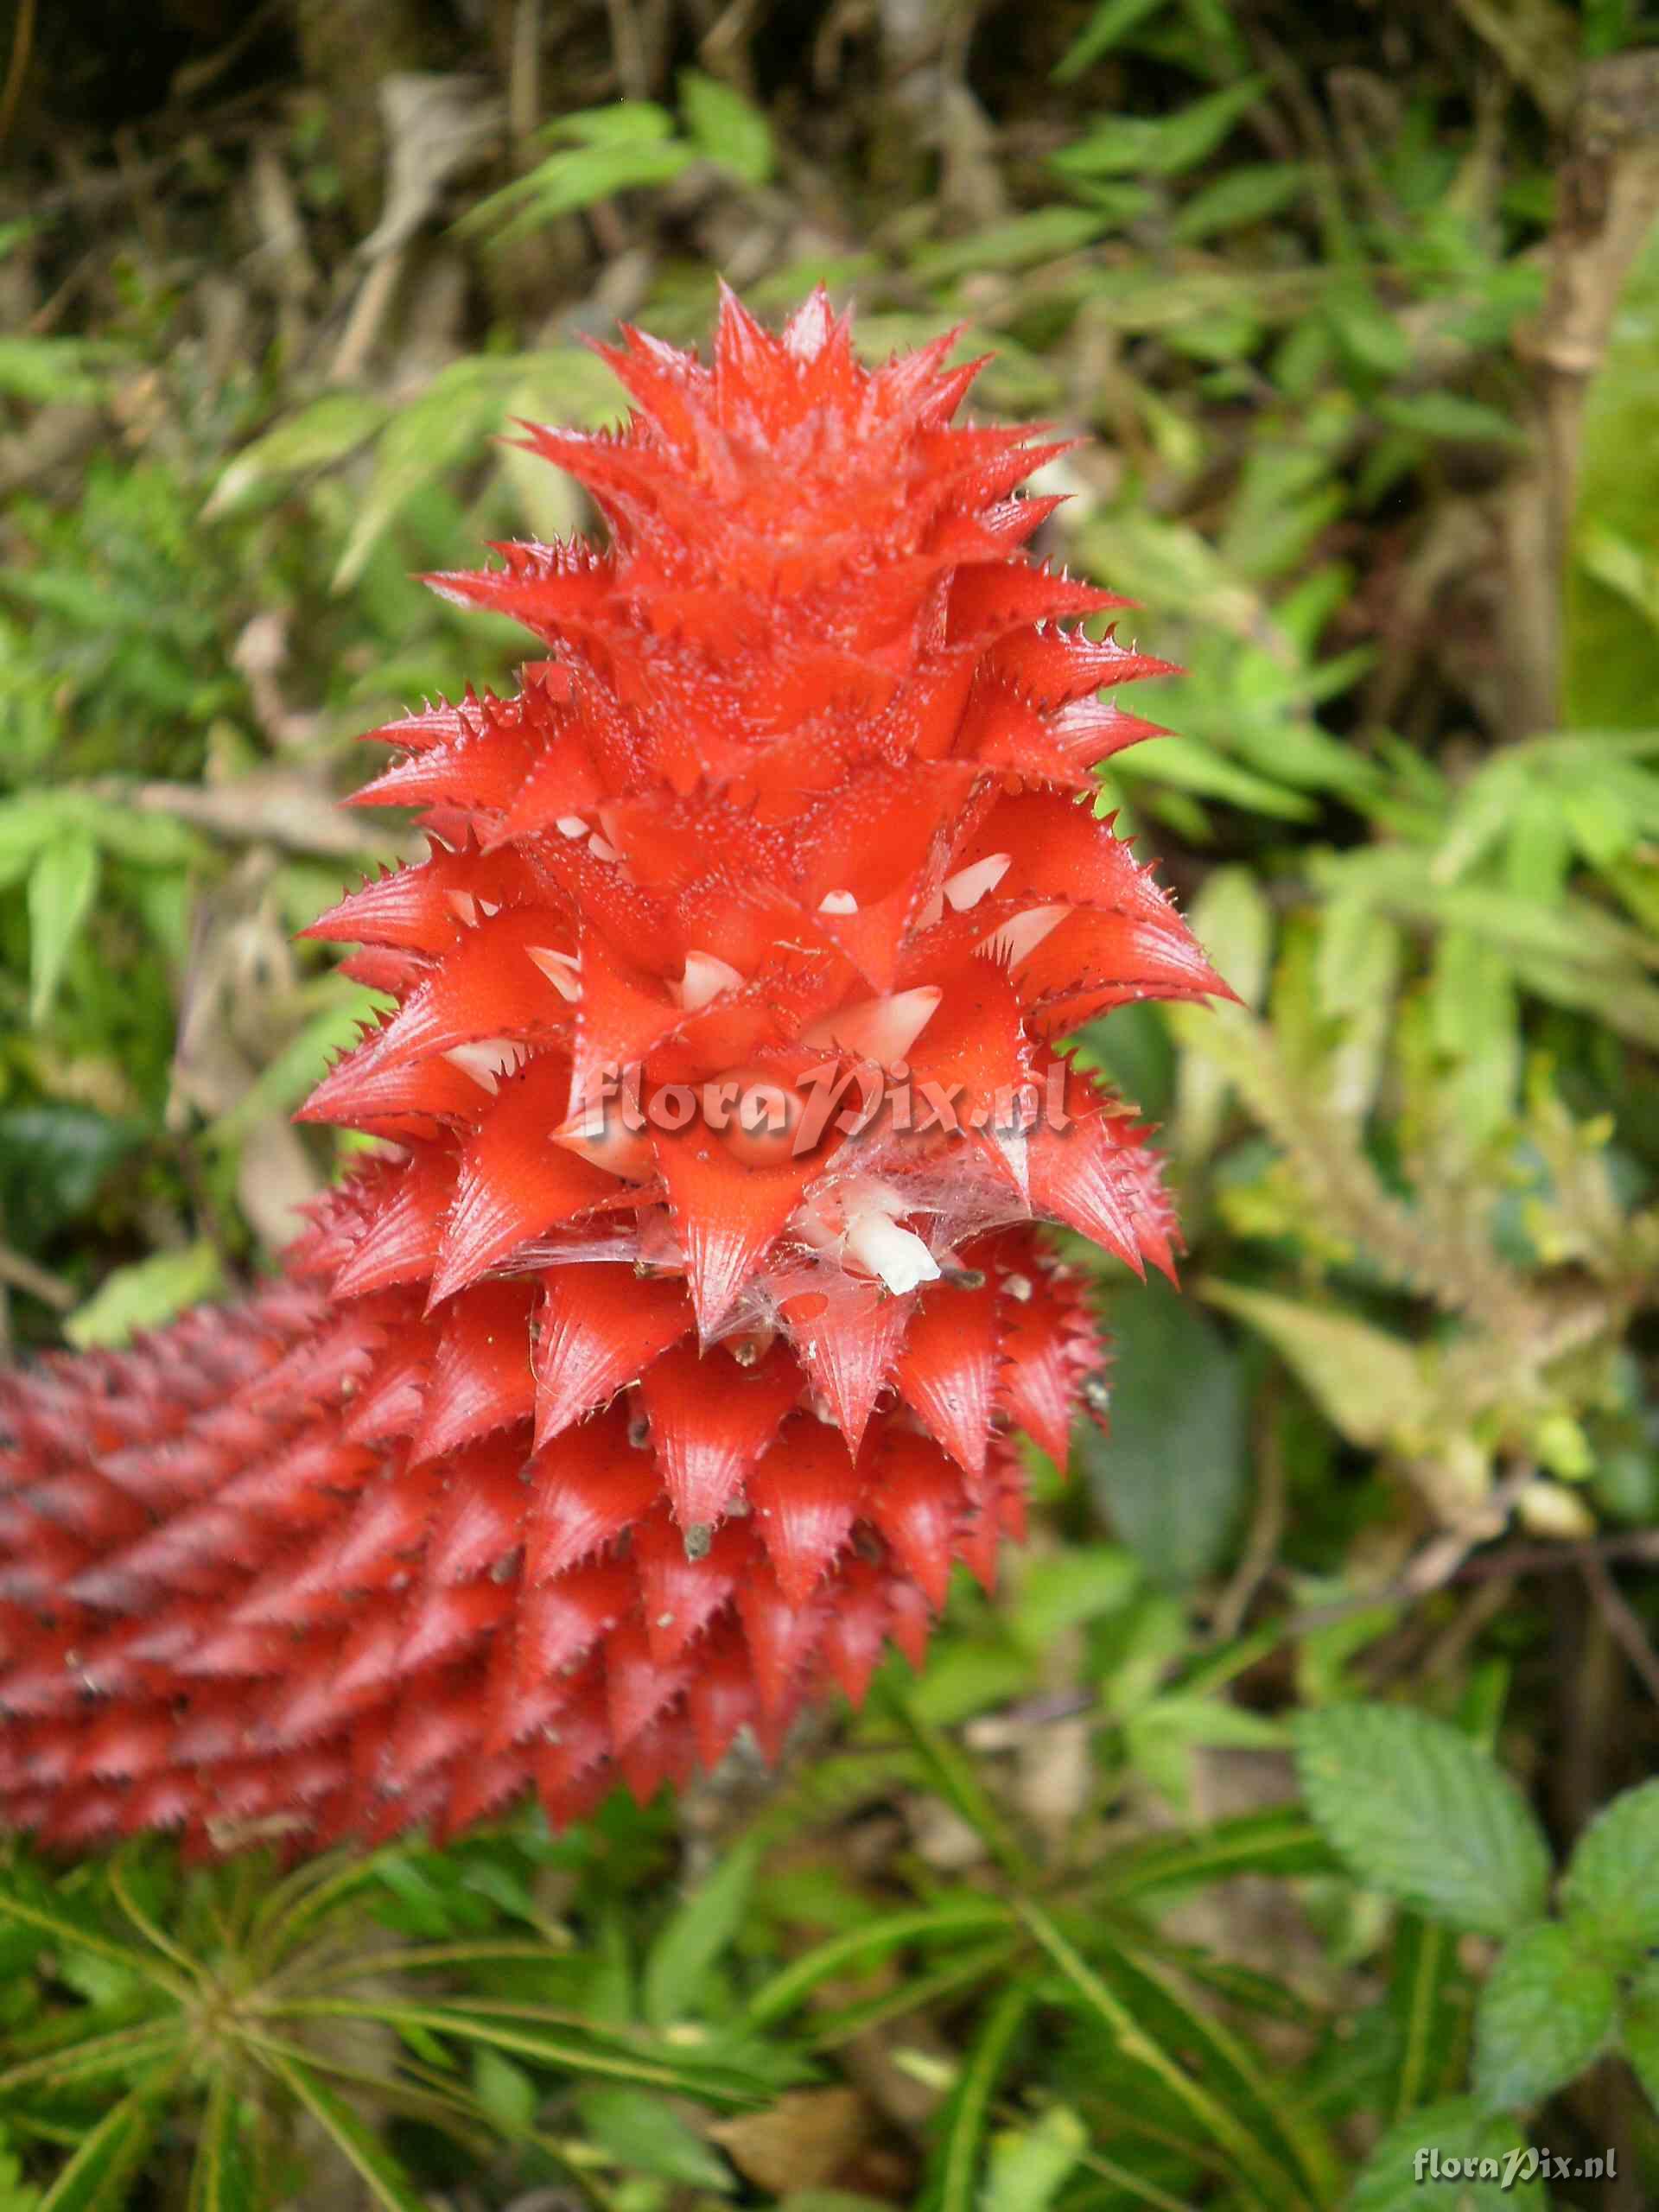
{"x":581,"y":1431}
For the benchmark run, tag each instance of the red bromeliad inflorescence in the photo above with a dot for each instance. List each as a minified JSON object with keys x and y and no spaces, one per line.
{"x":655,"y":1370}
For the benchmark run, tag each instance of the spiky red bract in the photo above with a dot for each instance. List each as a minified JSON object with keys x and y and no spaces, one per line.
{"x":563,"y":1451}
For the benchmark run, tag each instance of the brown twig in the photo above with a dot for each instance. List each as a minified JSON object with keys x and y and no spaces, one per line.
{"x":23,"y":43}
{"x":1623,"y":1623}
{"x":19,"y":1272}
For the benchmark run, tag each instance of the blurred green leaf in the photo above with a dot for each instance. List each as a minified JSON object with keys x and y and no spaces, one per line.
{"x":1171,"y":1474}
{"x":1611,"y":1890}
{"x":1640,"y":2028}
{"x":1043,"y":235}
{"x":1133,"y":145}
{"x":1544,"y":2014}
{"x":62,"y":885}
{"x":1247,"y":194}
{"x":725,"y":127}
{"x":145,"y":1294}
{"x":319,"y":435}
{"x":643,"y":2136}
{"x":1030,"y":2164}
{"x":53,"y":372}
{"x":1370,"y":1383}
{"x":1458,"y":2128}
{"x":1111,"y":21}
{"x":1422,"y":1814}
{"x":1609,"y":665}
{"x":700,"y":1929}
{"x":1451,"y":416}
{"x":953,"y":1921}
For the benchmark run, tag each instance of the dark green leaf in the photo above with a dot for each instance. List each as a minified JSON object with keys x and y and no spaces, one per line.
{"x":1172,"y":1473}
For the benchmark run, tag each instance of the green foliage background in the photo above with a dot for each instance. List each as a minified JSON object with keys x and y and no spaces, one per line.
{"x":1214,"y":1862}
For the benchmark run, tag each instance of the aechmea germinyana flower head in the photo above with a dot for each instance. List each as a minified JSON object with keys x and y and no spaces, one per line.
{"x":655,"y":1369}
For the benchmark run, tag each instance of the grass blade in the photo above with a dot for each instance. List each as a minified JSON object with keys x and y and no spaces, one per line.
{"x":383,"y":2177}
{"x":1265,"y":2175}
{"x":97,"y":2177}
{"x":86,"y":2061}
{"x":224,"y":2177}
{"x":864,"y":1945}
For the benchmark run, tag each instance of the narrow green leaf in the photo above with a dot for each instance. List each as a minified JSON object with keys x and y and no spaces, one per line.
{"x":383,"y":2177}
{"x":694,"y":1938}
{"x":421,"y":1958}
{"x":1111,"y":21}
{"x":1240,"y":2077}
{"x":315,"y":438}
{"x":955,"y":1779}
{"x":46,"y":1910}
{"x":98,"y":2176}
{"x":955,"y":1922}
{"x":97,"y":2055}
{"x":1254,"y":2163}
{"x":1044,"y":235}
{"x":224,"y":2177}
{"x":1186,"y":764}
{"x":1545,"y":2012}
{"x":512,"y":2028}
{"x":62,"y":885}
{"x":1279,"y":1841}
{"x":1247,"y":194}
{"x":1425,"y":1959}
{"x":1451,"y":416}
{"x":1419,"y":1812}
{"x":830,"y":2028}
{"x":962,"y":2139}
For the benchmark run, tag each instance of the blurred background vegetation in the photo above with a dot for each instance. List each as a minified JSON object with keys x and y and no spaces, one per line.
{"x":1212,"y":1863}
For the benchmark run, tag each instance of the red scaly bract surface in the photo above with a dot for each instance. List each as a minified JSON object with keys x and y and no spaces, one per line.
{"x":564,"y":1449}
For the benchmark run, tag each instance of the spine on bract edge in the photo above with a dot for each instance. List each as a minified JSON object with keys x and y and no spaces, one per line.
{"x":669,"y":1351}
